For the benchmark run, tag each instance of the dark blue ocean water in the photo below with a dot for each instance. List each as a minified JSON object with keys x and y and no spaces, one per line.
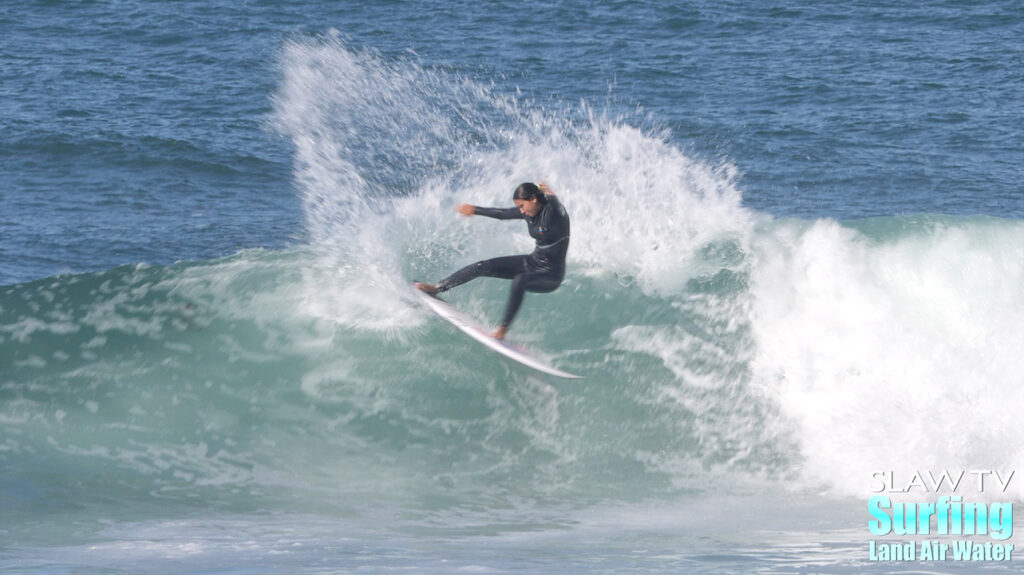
{"x":797,"y":260}
{"x":139,"y":131}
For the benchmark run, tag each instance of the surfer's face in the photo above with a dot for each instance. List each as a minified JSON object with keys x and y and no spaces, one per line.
{"x":528,"y":207}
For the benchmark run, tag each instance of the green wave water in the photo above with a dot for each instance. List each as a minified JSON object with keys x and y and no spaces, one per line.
{"x":214,"y":384}
{"x":223,"y":385}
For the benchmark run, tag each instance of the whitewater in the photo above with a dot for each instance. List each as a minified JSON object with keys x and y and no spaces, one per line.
{"x":293,"y":408}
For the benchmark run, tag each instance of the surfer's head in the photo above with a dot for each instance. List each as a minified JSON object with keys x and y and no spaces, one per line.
{"x":529,"y":199}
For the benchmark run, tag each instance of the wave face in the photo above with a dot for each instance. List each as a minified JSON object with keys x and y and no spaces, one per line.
{"x":721,"y":347}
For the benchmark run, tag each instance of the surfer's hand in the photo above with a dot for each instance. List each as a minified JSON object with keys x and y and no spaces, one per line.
{"x":544,"y":187}
{"x":466,"y":209}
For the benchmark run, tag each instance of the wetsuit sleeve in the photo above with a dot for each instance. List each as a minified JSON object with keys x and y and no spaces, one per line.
{"x":498,"y":213}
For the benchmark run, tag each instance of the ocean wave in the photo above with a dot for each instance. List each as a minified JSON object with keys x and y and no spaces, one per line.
{"x":720,"y":347}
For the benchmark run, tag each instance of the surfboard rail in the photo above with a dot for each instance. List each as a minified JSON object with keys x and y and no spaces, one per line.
{"x":470,"y":327}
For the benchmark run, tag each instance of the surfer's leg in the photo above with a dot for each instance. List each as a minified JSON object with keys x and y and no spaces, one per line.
{"x":537,"y":282}
{"x":507,"y":267}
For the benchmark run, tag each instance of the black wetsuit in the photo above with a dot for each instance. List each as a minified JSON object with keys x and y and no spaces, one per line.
{"x":541,"y":271}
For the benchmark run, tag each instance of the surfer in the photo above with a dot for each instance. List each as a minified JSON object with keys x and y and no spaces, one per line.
{"x":541,"y":271}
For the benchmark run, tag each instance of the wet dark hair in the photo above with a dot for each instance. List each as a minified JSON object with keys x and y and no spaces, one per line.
{"x":529,"y":191}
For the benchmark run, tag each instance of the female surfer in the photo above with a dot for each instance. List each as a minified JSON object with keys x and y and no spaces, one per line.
{"x":541,"y":271}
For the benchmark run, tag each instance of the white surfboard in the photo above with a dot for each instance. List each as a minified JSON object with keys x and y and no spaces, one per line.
{"x":465,"y":323}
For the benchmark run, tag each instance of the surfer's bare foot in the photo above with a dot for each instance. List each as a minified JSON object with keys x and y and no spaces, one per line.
{"x":499,"y":333}
{"x":429,"y":289}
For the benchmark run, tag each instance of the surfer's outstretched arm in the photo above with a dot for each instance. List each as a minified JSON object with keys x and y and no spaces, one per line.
{"x":496,"y":213}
